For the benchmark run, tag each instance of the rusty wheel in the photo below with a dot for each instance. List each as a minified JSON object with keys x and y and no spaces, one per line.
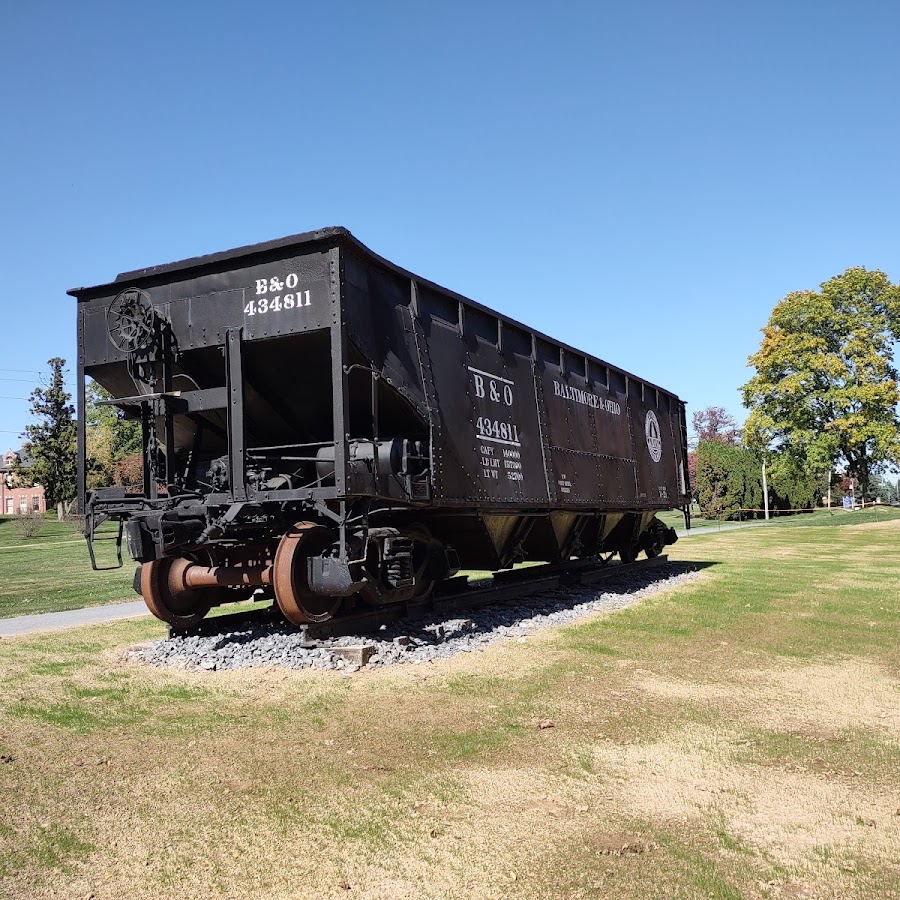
{"x":296,"y":601}
{"x":168,"y":597}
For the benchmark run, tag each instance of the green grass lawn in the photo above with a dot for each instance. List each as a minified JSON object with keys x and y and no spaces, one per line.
{"x":674,"y":518}
{"x":52,"y":571}
{"x":834,"y":516}
{"x":50,"y":531}
{"x":738,"y":737}
{"x":838,"y":517}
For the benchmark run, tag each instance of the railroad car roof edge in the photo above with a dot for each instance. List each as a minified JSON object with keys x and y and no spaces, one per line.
{"x":341,"y":234}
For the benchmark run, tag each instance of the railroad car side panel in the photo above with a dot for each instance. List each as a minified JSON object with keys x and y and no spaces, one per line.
{"x":378,"y":320}
{"x":656,"y":447}
{"x":490,"y":448}
{"x":591,"y":454}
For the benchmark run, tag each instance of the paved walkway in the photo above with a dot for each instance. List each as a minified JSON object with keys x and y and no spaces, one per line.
{"x":73,"y":618}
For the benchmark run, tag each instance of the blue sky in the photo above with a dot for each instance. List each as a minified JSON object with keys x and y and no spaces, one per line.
{"x":644,"y":181}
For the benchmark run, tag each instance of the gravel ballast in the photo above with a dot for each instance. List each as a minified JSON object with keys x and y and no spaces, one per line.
{"x":410,"y":641}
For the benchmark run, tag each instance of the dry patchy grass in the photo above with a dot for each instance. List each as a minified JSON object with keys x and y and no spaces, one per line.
{"x":737,"y":737}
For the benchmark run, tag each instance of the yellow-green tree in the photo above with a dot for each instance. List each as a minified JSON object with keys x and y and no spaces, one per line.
{"x":110,"y":437}
{"x":825,"y":389}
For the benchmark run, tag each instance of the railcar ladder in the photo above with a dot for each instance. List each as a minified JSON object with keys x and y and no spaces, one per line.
{"x":93,"y":522}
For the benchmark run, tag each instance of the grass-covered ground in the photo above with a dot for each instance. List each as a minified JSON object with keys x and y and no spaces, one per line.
{"x":834,"y":516}
{"x":675,"y":519}
{"x":737,"y":737}
{"x":52,"y":570}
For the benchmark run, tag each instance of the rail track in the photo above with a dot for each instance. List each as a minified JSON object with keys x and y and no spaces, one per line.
{"x":453,"y":595}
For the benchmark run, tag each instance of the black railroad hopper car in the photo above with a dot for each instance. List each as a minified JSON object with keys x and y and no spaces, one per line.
{"x":323,"y":426}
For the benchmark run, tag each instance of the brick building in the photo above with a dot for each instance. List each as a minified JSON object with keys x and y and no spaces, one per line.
{"x":15,"y":498}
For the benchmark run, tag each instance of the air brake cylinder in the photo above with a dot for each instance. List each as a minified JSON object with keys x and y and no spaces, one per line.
{"x":398,"y":456}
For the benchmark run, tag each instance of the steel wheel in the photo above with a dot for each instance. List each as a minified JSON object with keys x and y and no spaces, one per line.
{"x":629,"y":553}
{"x":655,"y":539}
{"x":168,"y":597}
{"x":377,"y":593}
{"x":297,"y":602}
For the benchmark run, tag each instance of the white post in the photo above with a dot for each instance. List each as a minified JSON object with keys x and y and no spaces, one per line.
{"x":765,"y":491}
{"x":829,"y":488}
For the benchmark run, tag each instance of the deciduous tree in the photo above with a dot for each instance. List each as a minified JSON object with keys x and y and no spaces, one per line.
{"x":110,"y":437}
{"x":825,"y":389}
{"x":792,"y":485}
{"x":692,"y":472}
{"x":715,"y":423}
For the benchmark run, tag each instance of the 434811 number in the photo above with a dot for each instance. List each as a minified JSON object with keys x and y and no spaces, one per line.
{"x":262,"y":305}
{"x":494,"y":430}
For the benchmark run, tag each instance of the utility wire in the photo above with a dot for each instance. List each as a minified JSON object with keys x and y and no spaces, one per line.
{"x":40,"y":381}
{"x":44,"y":374}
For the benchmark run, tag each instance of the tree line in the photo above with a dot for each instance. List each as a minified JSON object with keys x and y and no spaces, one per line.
{"x":728,"y":483}
{"x":727,"y":475}
{"x":822,"y":404}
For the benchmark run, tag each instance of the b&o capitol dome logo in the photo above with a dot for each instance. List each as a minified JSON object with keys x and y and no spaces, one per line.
{"x":654,"y":436}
